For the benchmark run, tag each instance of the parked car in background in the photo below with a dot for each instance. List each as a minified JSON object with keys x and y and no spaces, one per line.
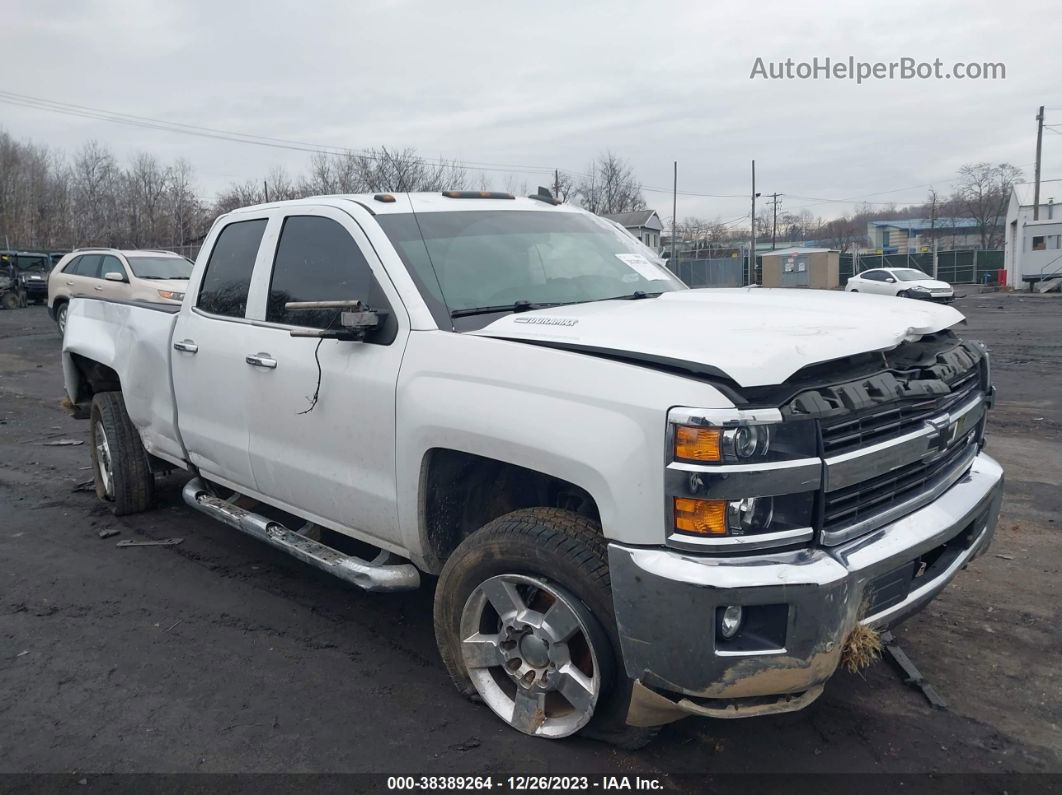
{"x":28,"y":271}
{"x":148,"y":275}
{"x":903,"y":282}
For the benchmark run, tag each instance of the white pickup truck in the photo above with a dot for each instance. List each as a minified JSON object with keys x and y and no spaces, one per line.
{"x":641,"y":501}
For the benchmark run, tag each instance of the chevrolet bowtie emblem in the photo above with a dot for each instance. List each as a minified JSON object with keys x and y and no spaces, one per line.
{"x":943,"y":433}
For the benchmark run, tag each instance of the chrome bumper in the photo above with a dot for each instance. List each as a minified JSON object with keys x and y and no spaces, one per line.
{"x":666,"y":602}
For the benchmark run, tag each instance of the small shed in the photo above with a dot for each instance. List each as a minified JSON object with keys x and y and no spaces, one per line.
{"x":802,"y":267}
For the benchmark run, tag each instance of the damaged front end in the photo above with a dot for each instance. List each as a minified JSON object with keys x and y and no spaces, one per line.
{"x":744,"y":614}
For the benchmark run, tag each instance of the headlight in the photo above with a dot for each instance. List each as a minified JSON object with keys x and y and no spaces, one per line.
{"x":740,"y":478}
{"x":744,"y":516}
{"x":745,"y":443}
{"x":171,"y":295}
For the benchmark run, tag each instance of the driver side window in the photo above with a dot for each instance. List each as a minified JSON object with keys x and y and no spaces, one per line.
{"x":111,"y":264}
{"x":318,"y":260}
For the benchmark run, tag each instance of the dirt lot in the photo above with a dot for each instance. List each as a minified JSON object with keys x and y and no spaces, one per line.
{"x":224,"y":655}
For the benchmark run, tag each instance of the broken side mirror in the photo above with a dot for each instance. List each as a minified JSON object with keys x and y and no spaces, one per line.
{"x":355,"y":319}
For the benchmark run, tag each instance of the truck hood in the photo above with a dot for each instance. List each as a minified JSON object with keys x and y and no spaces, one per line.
{"x":754,"y":336}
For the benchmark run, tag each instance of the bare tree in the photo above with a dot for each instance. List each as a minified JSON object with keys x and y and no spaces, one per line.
{"x":982,"y":195}
{"x":610,"y":187}
{"x":563,"y":186}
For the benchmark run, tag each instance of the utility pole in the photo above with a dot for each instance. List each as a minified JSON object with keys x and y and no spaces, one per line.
{"x":752,"y":244}
{"x":556,"y":184}
{"x":1039,"y":146}
{"x":674,"y":221}
{"x":265,"y":187}
{"x":774,"y":223}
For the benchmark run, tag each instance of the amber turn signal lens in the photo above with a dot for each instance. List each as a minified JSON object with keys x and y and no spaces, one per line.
{"x":697,"y":444}
{"x":700,"y":517}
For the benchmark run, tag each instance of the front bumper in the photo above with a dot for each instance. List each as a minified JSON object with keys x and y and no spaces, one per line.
{"x":666,"y":602}
{"x":35,"y":289}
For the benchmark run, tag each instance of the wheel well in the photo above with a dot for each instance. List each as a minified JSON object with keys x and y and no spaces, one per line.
{"x":461,"y":492}
{"x":93,"y":377}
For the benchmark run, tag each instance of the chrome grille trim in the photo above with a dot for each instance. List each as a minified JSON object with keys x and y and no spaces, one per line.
{"x":856,"y":431}
{"x":857,"y":466}
{"x":914,"y":486}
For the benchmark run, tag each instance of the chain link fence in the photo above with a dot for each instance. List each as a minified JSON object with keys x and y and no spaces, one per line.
{"x":954,"y":267}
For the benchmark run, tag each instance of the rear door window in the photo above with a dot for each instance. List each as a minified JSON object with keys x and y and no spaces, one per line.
{"x":88,"y":265}
{"x":318,"y":260}
{"x":228,"y":272}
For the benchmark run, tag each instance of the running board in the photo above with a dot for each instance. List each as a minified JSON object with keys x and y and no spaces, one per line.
{"x":373,"y":575}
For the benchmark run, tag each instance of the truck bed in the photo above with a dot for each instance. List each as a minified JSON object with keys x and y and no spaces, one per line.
{"x":133,"y":339}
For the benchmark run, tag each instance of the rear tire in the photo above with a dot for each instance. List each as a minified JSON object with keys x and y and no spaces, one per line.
{"x":553,"y":564}
{"x":119,"y":461}
{"x":9,"y":301}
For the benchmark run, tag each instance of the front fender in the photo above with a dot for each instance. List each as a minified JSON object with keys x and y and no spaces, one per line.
{"x":596,"y":423}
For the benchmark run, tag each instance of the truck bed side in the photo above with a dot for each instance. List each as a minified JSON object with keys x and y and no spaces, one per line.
{"x":128,"y":342}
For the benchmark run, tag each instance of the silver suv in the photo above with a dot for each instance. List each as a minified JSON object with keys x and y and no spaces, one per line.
{"x":143,"y":275}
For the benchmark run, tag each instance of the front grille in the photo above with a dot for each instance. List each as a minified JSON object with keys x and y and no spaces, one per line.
{"x":848,"y":506}
{"x":894,"y":419}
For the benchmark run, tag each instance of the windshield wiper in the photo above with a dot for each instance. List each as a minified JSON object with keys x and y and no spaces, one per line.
{"x":519,"y":306}
{"x":636,"y":295}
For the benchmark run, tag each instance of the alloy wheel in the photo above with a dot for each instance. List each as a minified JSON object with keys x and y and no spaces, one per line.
{"x":528,"y":646}
{"x":104,"y":462}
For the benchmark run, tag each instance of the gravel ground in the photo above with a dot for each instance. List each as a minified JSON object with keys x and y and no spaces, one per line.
{"x":223,"y":655}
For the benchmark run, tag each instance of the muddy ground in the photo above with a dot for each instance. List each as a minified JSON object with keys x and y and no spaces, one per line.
{"x":224,"y":655}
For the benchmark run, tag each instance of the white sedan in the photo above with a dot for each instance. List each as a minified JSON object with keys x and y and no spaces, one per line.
{"x":903,"y":282}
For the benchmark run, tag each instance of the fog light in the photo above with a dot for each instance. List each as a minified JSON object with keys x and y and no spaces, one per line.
{"x":730,"y":622}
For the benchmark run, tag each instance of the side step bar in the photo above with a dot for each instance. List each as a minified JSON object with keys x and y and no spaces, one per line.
{"x":370,"y":575}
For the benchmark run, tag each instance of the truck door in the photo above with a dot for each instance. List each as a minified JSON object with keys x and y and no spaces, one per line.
{"x":210,"y":344}
{"x":322,"y":412}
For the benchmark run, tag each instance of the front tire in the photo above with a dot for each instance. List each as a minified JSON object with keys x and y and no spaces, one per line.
{"x":903,"y":294}
{"x":60,"y":318}
{"x":119,"y":461}
{"x":525,"y":623}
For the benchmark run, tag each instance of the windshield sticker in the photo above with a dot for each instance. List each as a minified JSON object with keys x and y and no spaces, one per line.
{"x":644,"y":267}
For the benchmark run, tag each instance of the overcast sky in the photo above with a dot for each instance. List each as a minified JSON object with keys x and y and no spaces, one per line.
{"x":551,"y":84}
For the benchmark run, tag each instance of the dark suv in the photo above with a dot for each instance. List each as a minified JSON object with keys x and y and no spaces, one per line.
{"x":28,"y":271}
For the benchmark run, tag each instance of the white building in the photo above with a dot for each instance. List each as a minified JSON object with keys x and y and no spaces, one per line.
{"x":643,"y":224}
{"x":1034,"y":248}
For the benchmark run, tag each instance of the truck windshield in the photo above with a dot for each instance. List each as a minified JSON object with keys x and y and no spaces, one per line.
{"x":160,"y":267}
{"x":32,"y":262}
{"x":475,"y":265}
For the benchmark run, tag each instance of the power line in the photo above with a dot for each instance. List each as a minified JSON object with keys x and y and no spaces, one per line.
{"x":146,"y":122}
{"x":162,"y":125}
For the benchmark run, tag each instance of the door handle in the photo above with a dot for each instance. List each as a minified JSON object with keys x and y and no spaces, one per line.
{"x":69,"y":284}
{"x":187,"y":346}
{"x":261,"y":360}
{"x":97,"y":287}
